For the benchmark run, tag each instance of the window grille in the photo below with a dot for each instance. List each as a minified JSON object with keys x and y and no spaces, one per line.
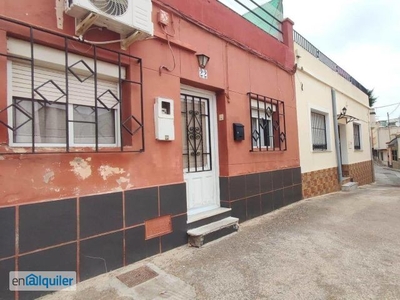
{"x":196,"y":133}
{"x":318,"y":130}
{"x":356,"y":131}
{"x":267,"y":123}
{"x":50,"y":111}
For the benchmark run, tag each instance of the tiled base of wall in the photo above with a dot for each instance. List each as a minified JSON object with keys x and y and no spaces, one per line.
{"x":320,"y":182}
{"x":361,"y":172}
{"x":253,"y":195}
{"x":90,"y":235}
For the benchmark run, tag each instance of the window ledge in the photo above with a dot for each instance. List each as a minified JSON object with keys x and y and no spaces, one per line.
{"x":4,"y":149}
{"x":321,"y":151}
{"x":269,"y":151}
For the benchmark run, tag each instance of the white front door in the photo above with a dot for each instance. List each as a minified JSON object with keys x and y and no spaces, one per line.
{"x":199,"y":149}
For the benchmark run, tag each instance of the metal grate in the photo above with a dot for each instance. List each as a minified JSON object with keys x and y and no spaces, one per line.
{"x":57,"y":93}
{"x":137,"y":276}
{"x":196,"y":133}
{"x":356,"y":132}
{"x":318,"y":128}
{"x":112,"y":7}
{"x":267,"y":123}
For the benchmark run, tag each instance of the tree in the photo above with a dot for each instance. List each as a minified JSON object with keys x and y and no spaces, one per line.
{"x":371,"y":97}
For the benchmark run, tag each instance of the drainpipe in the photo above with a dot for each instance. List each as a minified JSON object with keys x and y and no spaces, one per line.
{"x":336,"y":131}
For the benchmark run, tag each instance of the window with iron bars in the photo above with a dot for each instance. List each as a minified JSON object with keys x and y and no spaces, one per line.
{"x":318,"y":131}
{"x":75,"y":97}
{"x":267,"y":123}
{"x":356,"y":132}
{"x":43,"y":118}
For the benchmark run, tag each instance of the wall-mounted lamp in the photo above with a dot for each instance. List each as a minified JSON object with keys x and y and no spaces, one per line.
{"x":342,"y":113}
{"x":202,"y":60}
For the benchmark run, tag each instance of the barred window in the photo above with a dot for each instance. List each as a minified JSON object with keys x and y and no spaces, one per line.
{"x":49,"y":110}
{"x":59,"y":101}
{"x":268,"y":128}
{"x":262,"y":129}
{"x":318,"y":128}
{"x":356,"y":132}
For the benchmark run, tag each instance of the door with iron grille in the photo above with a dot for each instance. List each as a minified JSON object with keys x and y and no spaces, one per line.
{"x":199,"y":149}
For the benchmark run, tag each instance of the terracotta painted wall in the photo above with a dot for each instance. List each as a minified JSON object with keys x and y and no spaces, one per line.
{"x":232,"y":72}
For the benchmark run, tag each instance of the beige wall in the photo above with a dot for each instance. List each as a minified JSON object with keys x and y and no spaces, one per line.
{"x":385,"y":155}
{"x":382,"y":136}
{"x":313,"y":92}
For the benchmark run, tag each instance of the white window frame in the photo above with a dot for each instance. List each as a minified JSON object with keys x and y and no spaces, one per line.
{"x":326,"y":113}
{"x":359,"y":136}
{"x":12,"y":143}
{"x":255,"y":112}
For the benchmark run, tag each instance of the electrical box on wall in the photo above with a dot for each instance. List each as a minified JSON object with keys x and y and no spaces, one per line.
{"x":238,"y":132}
{"x":164,"y":119}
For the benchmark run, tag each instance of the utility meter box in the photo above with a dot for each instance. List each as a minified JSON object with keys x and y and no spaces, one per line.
{"x":164,"y":119}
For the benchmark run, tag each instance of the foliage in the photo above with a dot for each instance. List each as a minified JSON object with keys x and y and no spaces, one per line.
{"x":371,"y":97}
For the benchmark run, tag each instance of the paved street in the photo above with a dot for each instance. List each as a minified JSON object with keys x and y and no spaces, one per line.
{"x":339,"y":246}
{"x":386,"y":176}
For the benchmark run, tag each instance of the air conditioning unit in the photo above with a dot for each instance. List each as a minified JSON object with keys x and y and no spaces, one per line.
{"x":127,"y":17}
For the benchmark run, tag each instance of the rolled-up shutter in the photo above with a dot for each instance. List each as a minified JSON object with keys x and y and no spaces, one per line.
{"x":51,"y":85}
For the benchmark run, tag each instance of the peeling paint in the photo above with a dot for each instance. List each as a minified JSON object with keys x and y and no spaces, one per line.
{"x":2,"y":157}
{"x":19,"y":150}
{"x":81,"y":168}
{"x":77,"y":191}
{"x":107,"y":171}
{"x":11,"y":198}
{"x":48,"y":176}
{"x":123,"y":180}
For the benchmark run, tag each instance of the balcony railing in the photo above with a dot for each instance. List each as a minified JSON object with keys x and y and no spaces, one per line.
{"x":259,"y":12}
{"x":305,"y":44}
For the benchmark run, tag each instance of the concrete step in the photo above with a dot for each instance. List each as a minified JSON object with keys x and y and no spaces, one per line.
{"x":208,"y":217}
{"x":210,"y":232}
{"x":350,"y":186}
{"x":347,"y":180}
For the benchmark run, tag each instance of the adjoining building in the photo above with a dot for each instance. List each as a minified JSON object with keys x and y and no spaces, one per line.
{"x":383,"y":132}
{"x":333,"y":115}
{"x":393,"y":150}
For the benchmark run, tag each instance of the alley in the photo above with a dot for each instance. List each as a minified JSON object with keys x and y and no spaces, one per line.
{"x":338,"y":246}
{"x":386,"y":176}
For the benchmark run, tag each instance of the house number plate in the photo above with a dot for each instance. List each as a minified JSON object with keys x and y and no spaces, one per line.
{"x":203,"y":73}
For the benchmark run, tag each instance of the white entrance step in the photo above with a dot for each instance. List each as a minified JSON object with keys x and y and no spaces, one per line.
{"x":207,"y":233}
{"x":350,"y":186}
{"x":208,"y":216}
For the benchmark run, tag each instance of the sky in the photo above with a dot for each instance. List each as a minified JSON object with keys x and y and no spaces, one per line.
{"x":361,"y":36}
